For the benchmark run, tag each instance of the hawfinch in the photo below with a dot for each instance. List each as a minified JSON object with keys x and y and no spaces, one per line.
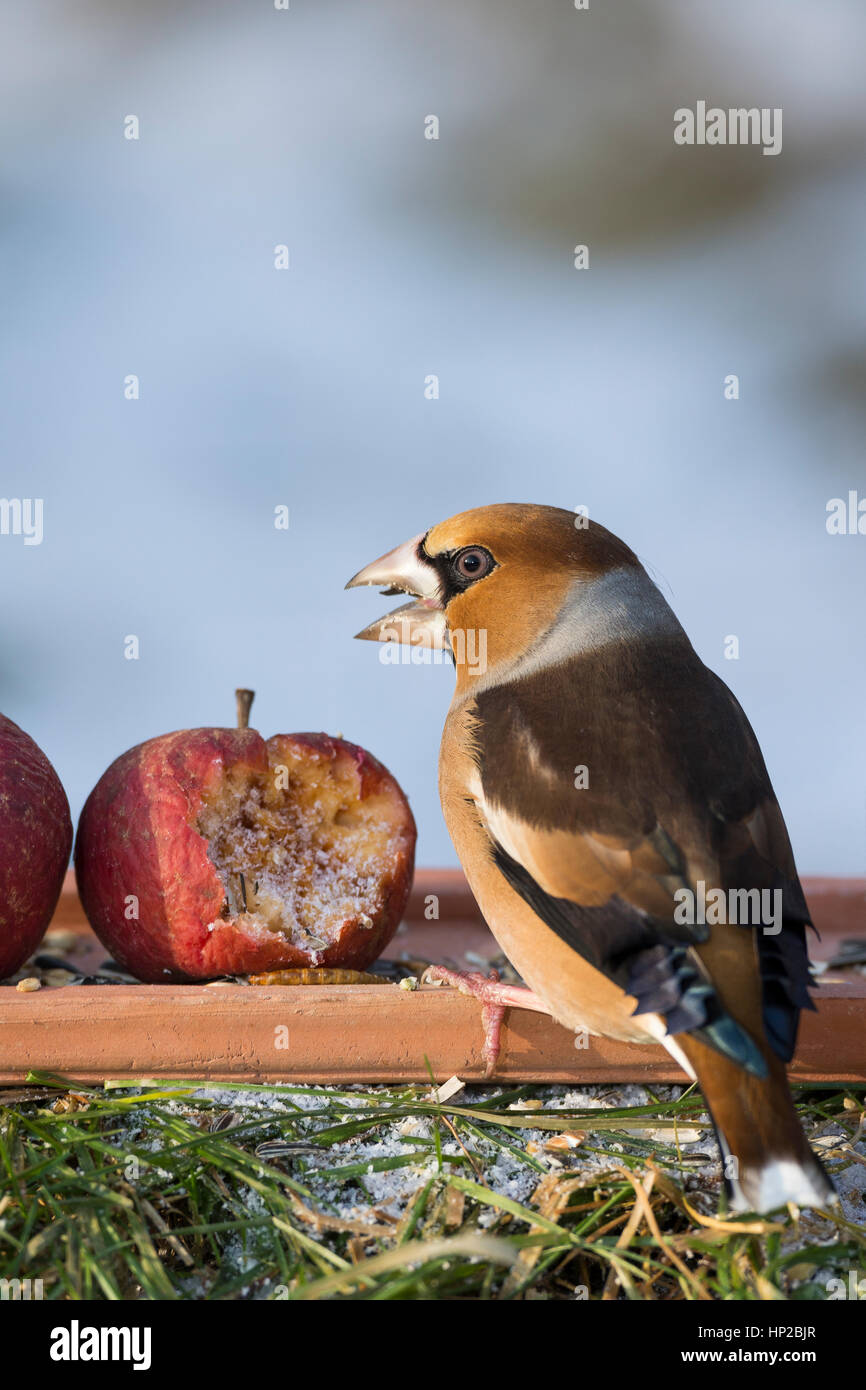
{"x":613,"y":815}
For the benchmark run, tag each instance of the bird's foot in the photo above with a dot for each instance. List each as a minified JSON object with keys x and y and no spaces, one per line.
{"x":494,"y":998}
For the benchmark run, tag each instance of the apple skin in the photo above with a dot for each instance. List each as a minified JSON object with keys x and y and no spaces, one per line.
{"x":35,"y":840}
{"x":137,"y":836}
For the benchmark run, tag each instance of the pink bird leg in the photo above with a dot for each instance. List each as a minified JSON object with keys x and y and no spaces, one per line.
{"x":494,"y":998}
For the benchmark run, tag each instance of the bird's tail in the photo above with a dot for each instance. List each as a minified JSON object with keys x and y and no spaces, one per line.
{"x":766,"y":1158}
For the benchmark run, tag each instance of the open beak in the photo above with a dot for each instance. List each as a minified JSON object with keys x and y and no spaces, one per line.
{"x":405,"y":571}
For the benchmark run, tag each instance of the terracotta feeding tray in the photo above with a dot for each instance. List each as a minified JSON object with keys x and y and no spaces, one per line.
{"x":380,"y":1032}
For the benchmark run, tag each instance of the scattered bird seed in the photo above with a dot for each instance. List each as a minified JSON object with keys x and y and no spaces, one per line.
{"x":852,"y":951}
{"x":56,"y":978}
{"x":47,"y":962}
{"x":60,"y":939}
{"x":73,"y":1101}
{"x":393,"y":970}
{"x":111,"y":967}
{"x":567,"y":1139}
{"x":449,"y":1088}
{"x":287,"y":1148}
{"x":101,"y":980}
{"x":226,"y":1120}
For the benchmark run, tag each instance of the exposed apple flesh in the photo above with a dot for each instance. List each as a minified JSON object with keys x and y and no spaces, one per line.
{"x":212,"y":852}
{"x":314,"y":850}
{"x":35,"y":840}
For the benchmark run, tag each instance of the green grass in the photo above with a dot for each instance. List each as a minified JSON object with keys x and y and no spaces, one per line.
{"x":137,"y":1192}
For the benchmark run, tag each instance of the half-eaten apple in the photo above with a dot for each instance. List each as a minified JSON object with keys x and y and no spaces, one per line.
{"x":214,"y":852}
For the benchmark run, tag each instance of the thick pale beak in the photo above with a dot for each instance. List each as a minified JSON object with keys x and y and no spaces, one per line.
{"x":405,"y":571}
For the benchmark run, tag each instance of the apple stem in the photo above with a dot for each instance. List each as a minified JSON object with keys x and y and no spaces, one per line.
{"x":244,"y":700}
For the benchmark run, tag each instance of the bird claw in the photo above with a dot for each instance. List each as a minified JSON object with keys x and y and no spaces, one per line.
{"x":494,"y":999}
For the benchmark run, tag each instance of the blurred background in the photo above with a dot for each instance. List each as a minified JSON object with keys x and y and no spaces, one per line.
{"x":410,"y":257}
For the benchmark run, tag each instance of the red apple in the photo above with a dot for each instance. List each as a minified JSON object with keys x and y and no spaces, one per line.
{"x":213,"y":852}
{"x":35,"y":840}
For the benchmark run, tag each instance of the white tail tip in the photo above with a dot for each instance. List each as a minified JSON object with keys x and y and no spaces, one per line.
{"x":780,"y":1181}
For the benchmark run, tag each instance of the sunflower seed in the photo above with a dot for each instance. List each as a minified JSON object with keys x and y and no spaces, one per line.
{"x":287,"y":1148}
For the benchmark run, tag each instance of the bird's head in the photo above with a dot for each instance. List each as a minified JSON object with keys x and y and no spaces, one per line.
{"x":486,"y":583}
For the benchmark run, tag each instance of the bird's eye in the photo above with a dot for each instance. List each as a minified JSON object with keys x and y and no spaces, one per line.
{"x":473,"y":562}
